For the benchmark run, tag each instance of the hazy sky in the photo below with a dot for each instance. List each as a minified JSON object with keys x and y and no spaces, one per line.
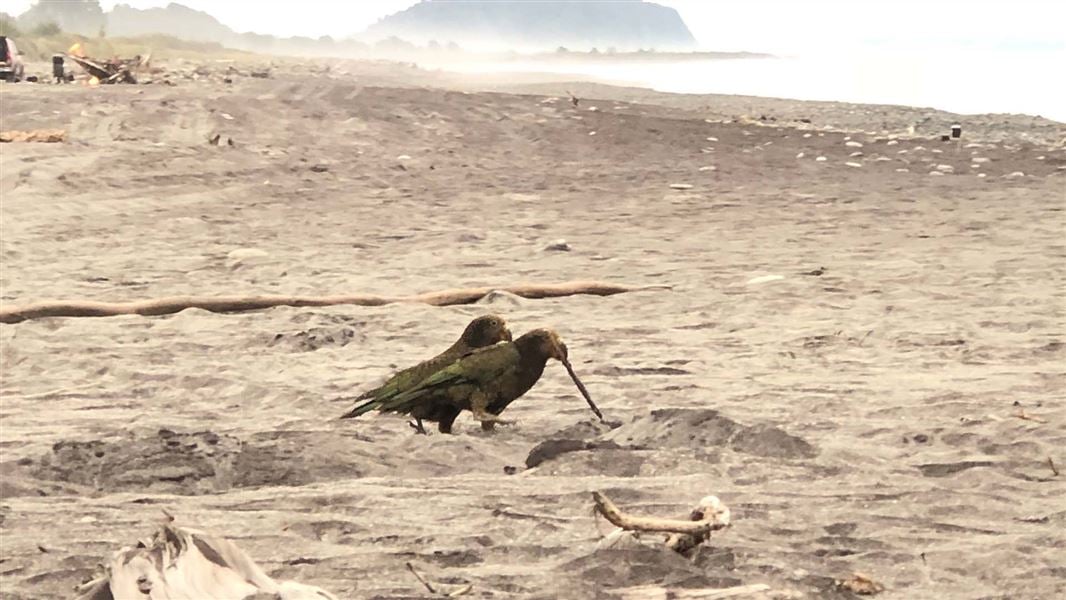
{"x":781,"y":26}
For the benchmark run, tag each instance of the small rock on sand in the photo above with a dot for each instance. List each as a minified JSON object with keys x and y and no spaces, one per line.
{"x":853,"y":164}
{"x":1015,"y":175}
{"x":821,"y":159}
{"x":853,"y":144}
{"x":709,"y":168}
{"x":681,"y":186}
{"x":557,"y":246}
{"x":945,"y":168}
{"x":800,"y":155}
{"x":712,"y":139}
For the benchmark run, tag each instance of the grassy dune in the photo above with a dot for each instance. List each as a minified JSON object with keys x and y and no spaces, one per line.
{"x":41,"y":48}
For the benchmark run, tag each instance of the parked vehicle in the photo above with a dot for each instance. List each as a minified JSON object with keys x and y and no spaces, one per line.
{"x":11,"y":67}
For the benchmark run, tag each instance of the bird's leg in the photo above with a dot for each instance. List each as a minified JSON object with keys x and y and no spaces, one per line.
{"x":417,"y":426}
{"x":479,"y":404}
{"x":445,"y":423}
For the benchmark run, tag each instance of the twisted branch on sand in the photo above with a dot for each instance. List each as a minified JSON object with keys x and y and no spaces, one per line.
{"x":459,"y":591}
{"x":225,"y":304}
{"x":685,"y":536}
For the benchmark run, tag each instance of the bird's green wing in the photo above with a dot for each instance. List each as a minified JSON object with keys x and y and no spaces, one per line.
{"x":477,"y":368}
{"x":403,"y":381}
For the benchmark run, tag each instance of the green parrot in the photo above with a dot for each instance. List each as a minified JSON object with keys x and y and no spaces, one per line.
{"x":481,"y":332}
{"x":484,"y":382}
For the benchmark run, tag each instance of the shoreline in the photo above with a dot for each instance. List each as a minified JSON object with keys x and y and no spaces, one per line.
{"x":467,"y":67}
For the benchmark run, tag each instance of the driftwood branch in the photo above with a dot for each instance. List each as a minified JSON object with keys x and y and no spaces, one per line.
{"x":685,"y":536}
{"x":459,"y":591}
{"x":34,"y":135}
{"x":421,"y":579}
{"x":225,"y":304}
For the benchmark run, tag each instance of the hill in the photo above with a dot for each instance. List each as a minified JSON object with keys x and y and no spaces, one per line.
{"x":624,"y":25}
{"x":174,"y":20}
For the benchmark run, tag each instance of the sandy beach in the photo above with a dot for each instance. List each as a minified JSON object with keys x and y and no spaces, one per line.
{"x":862,"y":352}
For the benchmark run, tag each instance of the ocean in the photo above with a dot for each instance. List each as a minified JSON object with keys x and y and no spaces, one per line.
{"x":962,"y":82}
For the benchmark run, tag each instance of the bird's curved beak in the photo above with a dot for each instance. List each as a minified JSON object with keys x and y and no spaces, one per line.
{"x":507,"y":335}
{"x":580,"y":386}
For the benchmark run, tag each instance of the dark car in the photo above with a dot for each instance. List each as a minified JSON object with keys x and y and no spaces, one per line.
{"x":11,"y":67}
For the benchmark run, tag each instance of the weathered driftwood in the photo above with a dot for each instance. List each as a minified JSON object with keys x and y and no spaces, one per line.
{"x":34,"y":135}
{"x":223,"y":304}
{"x":459,"y":591}
{"x":178,"y":563}
{"x":861,"y":584}
{"x":685,"y":536}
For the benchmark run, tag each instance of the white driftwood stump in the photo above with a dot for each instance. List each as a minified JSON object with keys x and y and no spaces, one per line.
{"x":185,"y":563}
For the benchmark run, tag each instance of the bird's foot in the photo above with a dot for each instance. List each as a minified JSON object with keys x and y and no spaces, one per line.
{"x":491,"y":425}
{"x":417,"y":426}
{"x":489,"y":421}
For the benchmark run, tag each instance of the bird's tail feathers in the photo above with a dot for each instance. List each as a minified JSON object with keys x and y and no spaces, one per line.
{"x":361,"y":409}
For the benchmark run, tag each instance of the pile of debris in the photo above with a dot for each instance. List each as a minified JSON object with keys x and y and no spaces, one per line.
{"x":113,"y":70}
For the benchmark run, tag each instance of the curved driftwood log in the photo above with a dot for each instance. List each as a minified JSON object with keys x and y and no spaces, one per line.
{"x":224,"y":304}
{"x":685,"y":536}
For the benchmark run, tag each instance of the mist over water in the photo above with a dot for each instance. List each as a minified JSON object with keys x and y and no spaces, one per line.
{"x":962,"y":82}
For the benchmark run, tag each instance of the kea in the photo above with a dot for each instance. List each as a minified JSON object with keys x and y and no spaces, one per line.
{"x":481,"y":332}
{"x":484,"y":382}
